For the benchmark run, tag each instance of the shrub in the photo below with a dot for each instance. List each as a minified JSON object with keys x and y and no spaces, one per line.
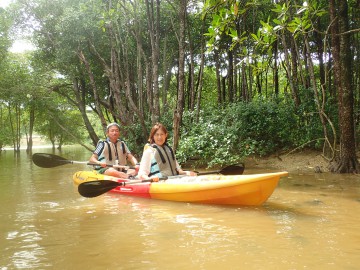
{"x":224,"y":136}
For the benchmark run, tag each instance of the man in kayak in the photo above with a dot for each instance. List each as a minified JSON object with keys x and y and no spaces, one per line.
{"x":113,"y":151}
{"x":158,"y":158}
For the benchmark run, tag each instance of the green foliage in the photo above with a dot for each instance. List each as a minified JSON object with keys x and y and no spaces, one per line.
{"x":5,"y":129}
{"x":261,"y":127}
{"x":5,"y":41}
{"x":309,"y":120}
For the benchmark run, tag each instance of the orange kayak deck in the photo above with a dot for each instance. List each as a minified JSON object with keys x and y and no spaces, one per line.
{"x":252,"y":189}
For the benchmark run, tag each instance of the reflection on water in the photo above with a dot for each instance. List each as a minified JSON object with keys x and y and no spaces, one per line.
{"x":310,"y":222}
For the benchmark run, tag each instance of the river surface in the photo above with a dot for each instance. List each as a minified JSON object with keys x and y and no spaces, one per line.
{"x":310,"y":222}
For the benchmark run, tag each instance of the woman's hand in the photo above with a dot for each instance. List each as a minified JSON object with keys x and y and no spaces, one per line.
{"x":191,"y":173}
{"x":187,"y":173}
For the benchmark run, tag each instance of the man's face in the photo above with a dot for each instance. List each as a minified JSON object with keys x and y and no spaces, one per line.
{"x":113,"y":133}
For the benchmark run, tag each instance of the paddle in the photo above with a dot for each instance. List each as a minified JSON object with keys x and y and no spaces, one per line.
{"x":96,"y":188}
{"x":45,"y":160}
{"x":235,"y":169}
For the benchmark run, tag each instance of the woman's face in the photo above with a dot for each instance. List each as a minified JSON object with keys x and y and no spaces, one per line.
{"x":160,"y":137}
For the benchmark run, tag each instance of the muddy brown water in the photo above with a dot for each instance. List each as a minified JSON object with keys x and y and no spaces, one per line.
{"x":310,"y":222}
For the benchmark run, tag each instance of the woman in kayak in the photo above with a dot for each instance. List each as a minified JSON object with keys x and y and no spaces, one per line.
{"x":158,"y":158}
{"x":113,"y":151}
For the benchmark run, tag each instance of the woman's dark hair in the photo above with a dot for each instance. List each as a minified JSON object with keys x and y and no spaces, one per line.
{"x":154,"y":129}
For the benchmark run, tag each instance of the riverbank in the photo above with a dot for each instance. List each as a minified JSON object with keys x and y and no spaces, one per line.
{"x":300,"y":161}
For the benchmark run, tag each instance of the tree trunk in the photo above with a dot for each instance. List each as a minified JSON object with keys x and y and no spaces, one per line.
{"x":132,"y":105}
{"x":276,"y":68}
{"x":191,"y":84}
{"x":181,"y":85}
{"x":166,"y":73}
{"x":294,"y":68}
{"x":218,"y":77}
{"x":244,"y":86}
{"x":79,"y":90}
{"x":94,"y":88}
{"x":223,"y":88}
{"x":200,"y":76}
{"x":320,"y":52}
{"x":347,"y":161}
{"x":31,"y":129}
{"x":15,"y":125}
{"x":154,"y":34}
{"x":289,"y":71}
{"x":230,"y":76}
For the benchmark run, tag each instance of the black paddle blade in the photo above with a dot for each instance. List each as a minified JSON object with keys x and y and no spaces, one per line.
{"x":233,"y":169}
{"x":96,"y":188}
{"x":48,"y":160}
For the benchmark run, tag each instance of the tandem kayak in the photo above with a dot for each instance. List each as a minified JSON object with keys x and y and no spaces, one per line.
{"x":252,"y":189}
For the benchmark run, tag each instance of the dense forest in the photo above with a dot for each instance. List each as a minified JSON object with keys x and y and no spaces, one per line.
{"x":229,"y":79}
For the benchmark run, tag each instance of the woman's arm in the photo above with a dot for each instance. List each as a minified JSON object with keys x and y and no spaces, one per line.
{"x":145,"y":164}
{"x":182,"y":172}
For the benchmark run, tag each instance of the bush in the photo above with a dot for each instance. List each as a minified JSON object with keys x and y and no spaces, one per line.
{"x":261,"y":127}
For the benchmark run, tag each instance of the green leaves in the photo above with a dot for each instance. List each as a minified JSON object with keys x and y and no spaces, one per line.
{"x":224,"y":15}
{"x":228,"y":135}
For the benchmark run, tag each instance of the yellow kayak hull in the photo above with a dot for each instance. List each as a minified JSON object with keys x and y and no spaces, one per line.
{"x":252,"y":189}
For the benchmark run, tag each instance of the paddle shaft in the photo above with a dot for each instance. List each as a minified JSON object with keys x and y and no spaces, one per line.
{"x":46,"y":160}
{"x":96,"y":164}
